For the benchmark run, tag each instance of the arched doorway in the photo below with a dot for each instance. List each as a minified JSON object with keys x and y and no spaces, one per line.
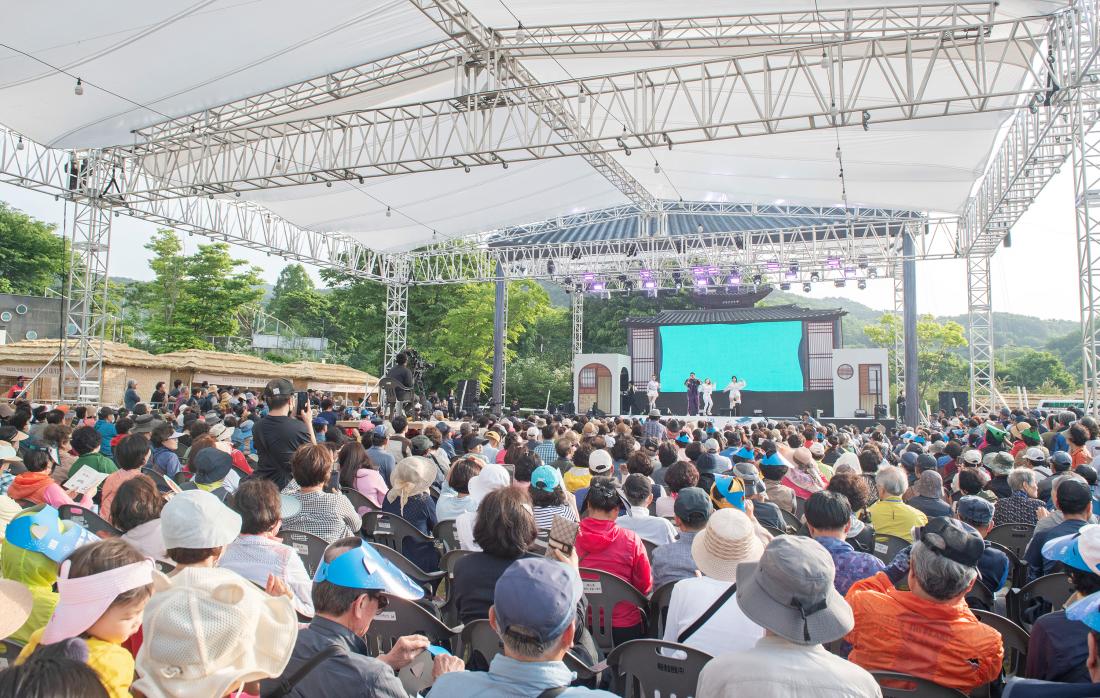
{"x":594,"y":386}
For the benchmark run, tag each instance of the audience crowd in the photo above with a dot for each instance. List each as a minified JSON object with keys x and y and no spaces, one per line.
{"x":217,"y":542}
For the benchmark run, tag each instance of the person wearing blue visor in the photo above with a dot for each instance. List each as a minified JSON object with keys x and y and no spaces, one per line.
{"x":351,"y":587}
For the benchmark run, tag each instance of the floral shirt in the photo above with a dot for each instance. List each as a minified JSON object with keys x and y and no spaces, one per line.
{"x":851,"y":565}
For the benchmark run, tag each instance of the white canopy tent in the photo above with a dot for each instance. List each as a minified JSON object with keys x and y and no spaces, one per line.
{"x":340,"y":130}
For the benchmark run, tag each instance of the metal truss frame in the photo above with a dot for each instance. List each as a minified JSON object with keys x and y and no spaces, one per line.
{"x":899,"y":337}
{"x":577,"y":302}
{"x":397,"y":322}
{"x":980,"y":324}
{"x":1086,"y":157}
{"x":539,"y":121}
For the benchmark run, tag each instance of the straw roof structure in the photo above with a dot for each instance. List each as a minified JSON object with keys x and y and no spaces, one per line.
{"x":37,"y":351}
{"x":328,"y":373}
{"x":200,"y":360}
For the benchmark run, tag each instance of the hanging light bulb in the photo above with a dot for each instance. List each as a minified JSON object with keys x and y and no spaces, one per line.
{"x":656,"y":168}
{"x":19,"y":143}
{"x":79,"y":89}
{"x":388,"y":212}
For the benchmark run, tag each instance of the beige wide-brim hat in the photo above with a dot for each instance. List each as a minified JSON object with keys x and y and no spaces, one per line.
{"x":411,"y":476}
{"x":16,"y":603}
{"x":728,"y":540}
{"x":208,"y":631}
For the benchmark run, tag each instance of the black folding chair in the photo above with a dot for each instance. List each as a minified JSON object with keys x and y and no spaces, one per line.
{"x":650,"y":546}
{"x":658,"y":608}
{"x":793,"y":522}
{"x":1017,"y":573}
{"x":979,"y":597}
{"x":444,"y":532}
{"x":88,"y":519}
{"x":363,"y":505}
{"x":308,"y":546}
{"x":604,"y":590}
{"x":447,"y":566}
{"x":401,"y":618}
{"x":478,"y":644}
{"x":160,"y":479}
{"x":429,"y":580}
{"x":887,"y":547}
{"x":393,"y":530}
{"x":774,"y":531}
{"x":1013,"y":638}
{"x":653,"y":667}
{"x":1036,"y":598}
{"x":897,"y":685}
{"x":1015,"y":537}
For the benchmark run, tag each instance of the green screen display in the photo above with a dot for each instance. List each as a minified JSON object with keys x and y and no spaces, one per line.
{"x":762,"y":354}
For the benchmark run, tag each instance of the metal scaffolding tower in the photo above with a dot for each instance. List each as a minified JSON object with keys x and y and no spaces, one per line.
{"x":397,"y":322}
{"x":980,"y":315}
{"x":1086,"y":161}
{"x":578,"y":322}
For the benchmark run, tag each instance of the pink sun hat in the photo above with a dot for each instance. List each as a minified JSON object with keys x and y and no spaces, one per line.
{"x":84,"y":599}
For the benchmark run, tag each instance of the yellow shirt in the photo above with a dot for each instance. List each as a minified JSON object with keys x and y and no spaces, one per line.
{"x":896,"y":518}
{"x":577,"y":478}
{"x":112,"y":663}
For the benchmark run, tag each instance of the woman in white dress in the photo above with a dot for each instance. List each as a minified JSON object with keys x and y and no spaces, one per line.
{"x":652,"y":389}
{"x":707,"y":388}
{"x":733,"y":389}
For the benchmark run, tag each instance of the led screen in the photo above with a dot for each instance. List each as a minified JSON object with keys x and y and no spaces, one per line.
{"x":762,"y":354}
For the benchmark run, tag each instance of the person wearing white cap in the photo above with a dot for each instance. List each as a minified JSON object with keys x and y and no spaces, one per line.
{"x":492,"y":477}
{"x":701,"y":612}
{"x":789,"y":592}
{"x":197,"y":526}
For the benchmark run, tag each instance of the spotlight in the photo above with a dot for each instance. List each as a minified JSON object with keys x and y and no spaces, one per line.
{"x":866,"y":120}
{"x":582,"y":96}
{"x":849,"y":272}
{"x":772,"y":265}
{"x":626,"y":152}
{"x":735,"y":278}
{"x":863,"y":261}
{"x":360,"y":178}
{"x":815,"y":276}
{"x":466,"y":169}
{"x":237,"y":194}
{"x":597,"y":287}
{"x":328,"y":184}
{"x":19,"y":143}
{"x":832,"y":262}
{"x":567,"y":282}
{"x":792,"y":272}
{"x":504,"y":164}
{"x":806,"y":287}
{"x":649,"y":284}
{"x":872,"y":273}
{"x":757,"y":278}
{"x":862,"y":284}
{"x":79,"y":89}
{"x":667,"y":140}
{"x":784,"y":286}
{"x":550,"y":267}
{"x":839,"y":283}
{"x":700,"y":282}
{"x":699,"y":228}
{"x":628,"y":285}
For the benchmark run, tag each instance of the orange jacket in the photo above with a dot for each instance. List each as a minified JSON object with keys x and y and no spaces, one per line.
{"x":899,"y":631}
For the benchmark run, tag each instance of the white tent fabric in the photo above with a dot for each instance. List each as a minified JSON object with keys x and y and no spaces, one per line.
{"x":160,"y":60}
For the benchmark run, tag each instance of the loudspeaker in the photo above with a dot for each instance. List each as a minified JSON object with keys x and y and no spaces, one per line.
{"x":961,"y":400}
{"x":880,"y":411}
{"x":624,"y":381}
{"x":568,"y":408}
{"x":471,"y":398}
{"x":860,"y":413}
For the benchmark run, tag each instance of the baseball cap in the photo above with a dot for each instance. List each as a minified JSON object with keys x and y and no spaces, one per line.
{"x":751,"y":479}
{"x":1036,"y":455}
{"x":11,"y":434}
{"x":975,"y":510}
{"x":951,"y":541}
{"x":926,"y":461}
{"x":972,"y":457}
{"x":278,"y":387}
{"x":599,"y":462}
{"x":420,"y":445}
{"x":1080,"y":550}
{"x":197,"y":519}
{"x":683,"y":438}
{"x":532,"y":433}
{"x":492,"y":435}
{"x":443,"y":427}
{"x":1061,"y":458}
{"x":909,"y":460}
{"x":536,"y":598}
{"x":711,"y":445}
{"x":546,"y":478}
{"x":365,"y":568}
{"x":692,"y":505}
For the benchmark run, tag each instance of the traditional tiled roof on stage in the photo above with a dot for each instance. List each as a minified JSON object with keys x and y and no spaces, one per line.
{"x":730,"y":315}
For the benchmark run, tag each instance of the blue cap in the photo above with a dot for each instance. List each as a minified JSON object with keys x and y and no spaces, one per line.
{"x":536,"y":598}
{"x":746,"y":453}
{"x":320,"y":423}
{"x":365,"y":568}
{"x":975,"y":510}
{"x":44,"y":532}
{"x":683,"y":439}
{"x":1080,"y":550}
{"x":380,"y":430}
{"x":774,"y":458}
{"x":546,"y":478}
{"x":909,"y":459}
{"x":1087,"y":611}
{"x":731,"y":489}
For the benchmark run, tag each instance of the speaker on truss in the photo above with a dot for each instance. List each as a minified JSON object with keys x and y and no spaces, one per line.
{"x":951,"y":399}
{"x":469,"y":394}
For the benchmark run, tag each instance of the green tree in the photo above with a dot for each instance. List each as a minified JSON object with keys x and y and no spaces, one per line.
{"x":1036,"y":370}
{"x":215,"y":287}
{"x":938,"y":343}
{"x":32,"y":256}
{"x":291,"y":288}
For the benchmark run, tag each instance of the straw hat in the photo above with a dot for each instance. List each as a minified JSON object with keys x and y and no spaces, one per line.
{"x":410,"y":477}
{"x":728,"y":540}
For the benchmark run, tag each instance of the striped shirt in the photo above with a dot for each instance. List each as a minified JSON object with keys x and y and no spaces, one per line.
{"x":544,"y":516}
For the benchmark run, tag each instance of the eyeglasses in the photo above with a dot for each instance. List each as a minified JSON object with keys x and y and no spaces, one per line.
{"x":381,"y":599}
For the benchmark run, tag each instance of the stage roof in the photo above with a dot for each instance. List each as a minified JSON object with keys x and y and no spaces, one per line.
{"x":708,"y":316}
{"x":152,"y":61}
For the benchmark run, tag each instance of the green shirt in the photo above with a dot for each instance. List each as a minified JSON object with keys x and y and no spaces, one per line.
{"x":96,"y":461}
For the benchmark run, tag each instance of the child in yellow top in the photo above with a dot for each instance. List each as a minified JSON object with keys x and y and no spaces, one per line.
{"x":103,"y":590}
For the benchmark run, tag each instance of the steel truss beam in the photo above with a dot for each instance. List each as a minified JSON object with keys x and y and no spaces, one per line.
{"x":526,"y":122}
{"x":577,"y":345}
{"x":1040,"y":137}
{"x":980,"y":333}
{"x":723,"y":31}
{"x":899,"y":336}
{"x":1086,"y":180}
{"x":397,"y":323}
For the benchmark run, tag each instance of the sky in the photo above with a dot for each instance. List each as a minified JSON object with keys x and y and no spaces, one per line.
{"x":1036,"y":276}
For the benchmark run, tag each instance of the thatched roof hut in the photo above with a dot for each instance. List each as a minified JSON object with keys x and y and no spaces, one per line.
{"x":221,"y":368}
{"x":333,"y":378}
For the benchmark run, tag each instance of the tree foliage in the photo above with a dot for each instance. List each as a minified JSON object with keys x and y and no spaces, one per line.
{"x":32,"y":255}
{"x":1036,"y":370}
{"x":941,"y":365}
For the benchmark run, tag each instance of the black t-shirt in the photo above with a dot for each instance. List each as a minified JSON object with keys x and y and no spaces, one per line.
{"x":276,"y":439}
{"x":402,"y":375}
{"x":476,"y":578}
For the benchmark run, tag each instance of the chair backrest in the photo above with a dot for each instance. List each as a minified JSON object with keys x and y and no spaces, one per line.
{"x":603,"y":591}
{"x":774,"y":531}
{"x":158,"y":477}
{"x":164,"y":566}
{"x":88,"y":519}
{"x":897,"y":685}
{"x":447,"y":566}
{"x":479,"y":643}
{"x":428,"y":580}
{"x":979,"y":597}
{"x":308,"y":546}
{"x":400,"y":618}
{"x":1037,"y":597}
{"x":658,"y":608}
{"x":656,"y":668}
{"x":391,"y":529}
{"x":363,"y":505}
{"x":792,"y":521}
{"x":1017,"y":573}
{"x":1013,"y":637}
{"x":1015,"y":537}
{"x":887,"y":546}
{"x":445,"y":533}
{"x":650,"y":546}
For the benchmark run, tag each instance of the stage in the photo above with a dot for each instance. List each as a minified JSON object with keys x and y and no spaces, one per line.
{"x":720,"y":422}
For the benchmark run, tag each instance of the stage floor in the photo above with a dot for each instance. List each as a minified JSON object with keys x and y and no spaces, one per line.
{"x":720,"y":422}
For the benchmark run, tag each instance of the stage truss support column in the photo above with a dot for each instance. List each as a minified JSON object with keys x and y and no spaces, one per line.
{"x":909,"y":326}
{"x":980,"y":332}
{"x":1086,"y":181}
{"x":397,"y":322}
{"x":899,"y":336}
{"x":578,"y":322}
{"x":80,"y":378}
{"x":500,"y":325}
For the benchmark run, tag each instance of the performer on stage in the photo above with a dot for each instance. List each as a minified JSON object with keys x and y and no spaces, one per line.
{"x":692,"y":384}
{"x":708,"y":399}
{"x":733,"y":389}
{"x":652,"y":389}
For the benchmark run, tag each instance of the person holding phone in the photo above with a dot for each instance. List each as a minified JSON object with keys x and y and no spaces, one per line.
{"x":278,"y":435}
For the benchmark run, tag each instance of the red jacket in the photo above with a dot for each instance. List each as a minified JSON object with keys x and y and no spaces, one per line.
{"x":601,"y":545}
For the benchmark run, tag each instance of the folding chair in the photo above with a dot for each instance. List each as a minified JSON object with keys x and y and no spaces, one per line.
{"x":88,"y":519}
{"x":604,"y":590}
{"x":447,"y":566}
{"x":658,"y":608}
{"x":1037,"y":597}
{"x":362,"y":504}
{"x":979,"y":597}
{"x":1015,"y":537}
{"x":444,"y":533}
{"x":793,"y":522}
{"x":1013,"y":637}
{"x":401,"y":618}
{"x":897,"y":685}
{"x":392,"y":530}
{"x":308,"y":546}
{"x":1017,"y":573}
{"x":478,"y":644}
{"x":650,"y":546}
{"x":428,"y":580}
{"x":647,"y":668}
{"x":164,"y":566}
{"x":159,"y":478}
{"x":887,"y":547}
{"x":774,"y":531}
